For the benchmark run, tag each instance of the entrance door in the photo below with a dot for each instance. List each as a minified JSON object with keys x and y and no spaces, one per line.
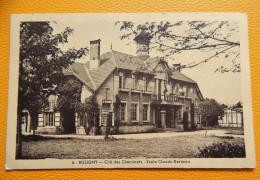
{"x":69,"y":122}
{"x":158,"y":120}
{"x":168,"y":117}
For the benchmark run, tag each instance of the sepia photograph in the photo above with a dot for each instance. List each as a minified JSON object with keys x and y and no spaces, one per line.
{"x":151,"y":90}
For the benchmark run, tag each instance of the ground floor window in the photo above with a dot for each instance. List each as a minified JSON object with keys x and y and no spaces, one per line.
{"x":122,"y":112}
{"x":103,"y":119}
{"x":49,"y":118}
{"x":145,"y":112}
{"x":134,"y":112}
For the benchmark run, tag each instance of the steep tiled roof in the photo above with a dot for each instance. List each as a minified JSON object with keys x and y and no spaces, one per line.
{"x":114,"y":59}
{"x":100,"y":74}
{"x":181,"y":77}
{"x":78,"y":70}
{"x":126,"y":61}
{"x":152,"y":62}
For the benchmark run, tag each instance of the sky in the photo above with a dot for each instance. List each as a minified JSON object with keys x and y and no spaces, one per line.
{"x":224,"y":87}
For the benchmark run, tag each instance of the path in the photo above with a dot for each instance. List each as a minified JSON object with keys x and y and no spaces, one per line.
{"x":220,"y":132}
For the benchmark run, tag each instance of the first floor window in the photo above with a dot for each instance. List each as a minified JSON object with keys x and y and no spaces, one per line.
{"x":134,"y":112}
{"x":146,"y":84}
{"x":122,"y":110}
{"x":145,"y":112}
{"x":122,"y":83}
{"x":49,"y":119}
{"x":187,"y":91}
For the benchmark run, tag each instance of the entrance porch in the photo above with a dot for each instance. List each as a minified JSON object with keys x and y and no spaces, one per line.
{"x":168,"y":115}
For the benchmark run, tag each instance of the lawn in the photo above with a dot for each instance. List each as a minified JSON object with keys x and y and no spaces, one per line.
{"x":74,"y":148}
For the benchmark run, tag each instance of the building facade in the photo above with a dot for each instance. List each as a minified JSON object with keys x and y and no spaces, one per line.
{"x":153,"y":95}
{"x":233,"y":117}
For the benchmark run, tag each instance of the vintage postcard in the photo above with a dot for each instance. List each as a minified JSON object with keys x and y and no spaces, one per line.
{"x":150,"y":90}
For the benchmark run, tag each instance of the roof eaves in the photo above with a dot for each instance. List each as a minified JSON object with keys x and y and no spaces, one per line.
{"x":202,"y":98}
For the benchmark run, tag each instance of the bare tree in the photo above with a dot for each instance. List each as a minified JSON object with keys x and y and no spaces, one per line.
{"x":216,"y":38}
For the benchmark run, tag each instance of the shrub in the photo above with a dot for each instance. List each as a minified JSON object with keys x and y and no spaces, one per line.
{"x":222,"y":150}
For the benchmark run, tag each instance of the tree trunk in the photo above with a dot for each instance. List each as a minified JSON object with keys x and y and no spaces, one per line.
{"x":206,"y":128}
{"x":34,"y":120}
{"x":96,"y":124}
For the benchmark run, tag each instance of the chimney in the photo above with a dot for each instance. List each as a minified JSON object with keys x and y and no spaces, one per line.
{"x":94,"y":54}
{"x":142,"y":41}
{"x":176,"y":67}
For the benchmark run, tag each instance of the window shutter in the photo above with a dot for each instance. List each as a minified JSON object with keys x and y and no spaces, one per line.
{"x":57,"y":119}
{"x":76,"y":119}
{"x":40,"y":119}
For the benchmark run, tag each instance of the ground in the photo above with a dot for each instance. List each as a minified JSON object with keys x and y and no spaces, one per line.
{"x":175,"y":146}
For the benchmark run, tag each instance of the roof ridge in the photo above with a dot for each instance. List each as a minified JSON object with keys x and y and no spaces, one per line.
{"x":90,"y":77}
{"x":112,"y":53}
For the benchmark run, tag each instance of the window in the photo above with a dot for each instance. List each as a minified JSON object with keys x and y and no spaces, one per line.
{"x":134,"y":82}
{"x":122,"y":111}
{"x":191,"y":91}
{"x":49,"y":119}
{"x":177,"y":90}
{"x":121,"y":80}
{"x":145,"y":112}
{"x":134,"y":112}
{"x":146,"y":84}
{"x":103,"y":119}
{"x":187,"y":91}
